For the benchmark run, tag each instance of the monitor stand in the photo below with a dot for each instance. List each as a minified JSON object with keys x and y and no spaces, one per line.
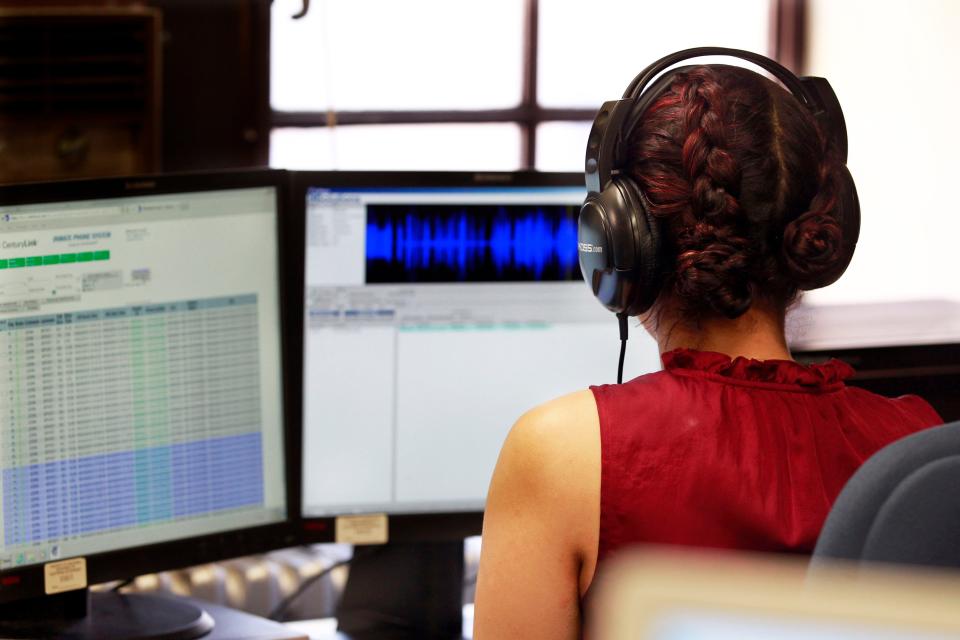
{"x":83,"y":615}
{"x":406,"y":590}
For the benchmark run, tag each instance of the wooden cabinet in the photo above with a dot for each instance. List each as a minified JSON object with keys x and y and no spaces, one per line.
{"x":216,"y":87}
{"x":79,"y":91}
{"x":109,"y":87}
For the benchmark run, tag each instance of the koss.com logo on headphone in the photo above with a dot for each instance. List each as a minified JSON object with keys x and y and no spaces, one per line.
{"x":586,"y":247}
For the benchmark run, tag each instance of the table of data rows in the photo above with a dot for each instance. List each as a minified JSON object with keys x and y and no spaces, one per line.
{"x":120,"y":417}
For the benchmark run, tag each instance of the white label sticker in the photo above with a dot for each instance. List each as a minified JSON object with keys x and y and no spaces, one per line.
{"x":367,"y":529}
{"x":65,"y":575}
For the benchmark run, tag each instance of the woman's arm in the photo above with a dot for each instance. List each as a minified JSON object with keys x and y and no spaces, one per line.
{"x":541,"y":524}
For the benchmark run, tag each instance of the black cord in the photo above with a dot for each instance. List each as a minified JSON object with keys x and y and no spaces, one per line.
{"x":305,"y":9}
{"x":122,"y":584}
{"x":622,"y":317}
{"x":281,"y":608}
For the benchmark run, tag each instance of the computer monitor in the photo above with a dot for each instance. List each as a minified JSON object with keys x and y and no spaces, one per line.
{"x":439,"y":308}
{"x":142,"y":402}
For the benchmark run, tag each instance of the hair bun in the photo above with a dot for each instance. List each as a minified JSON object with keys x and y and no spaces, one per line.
{"x":714,"y":267}
{"x":812,"y":248}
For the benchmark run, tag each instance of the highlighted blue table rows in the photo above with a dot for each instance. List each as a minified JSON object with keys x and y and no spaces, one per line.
{"x":126,"y":489}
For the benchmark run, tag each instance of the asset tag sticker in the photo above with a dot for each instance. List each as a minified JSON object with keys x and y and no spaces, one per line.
{"x":366,"y":529}
{"x":65,"y":575}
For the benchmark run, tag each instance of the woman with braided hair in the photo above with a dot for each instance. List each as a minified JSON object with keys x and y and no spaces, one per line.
{"x":733,"y":444}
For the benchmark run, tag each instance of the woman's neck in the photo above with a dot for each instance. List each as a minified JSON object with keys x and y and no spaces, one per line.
{"x":758,"y":334}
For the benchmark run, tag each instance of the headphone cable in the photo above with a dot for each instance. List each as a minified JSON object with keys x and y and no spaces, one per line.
{"x":280,"y":610}
{"x":622,"y":318}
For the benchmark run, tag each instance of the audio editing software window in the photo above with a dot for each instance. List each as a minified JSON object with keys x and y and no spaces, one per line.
{"x":139,"y":372}
{"x":435,"y":318}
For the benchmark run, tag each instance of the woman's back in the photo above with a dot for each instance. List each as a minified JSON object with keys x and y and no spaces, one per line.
{"x":736,"y":453}
{"x":716,"y":197}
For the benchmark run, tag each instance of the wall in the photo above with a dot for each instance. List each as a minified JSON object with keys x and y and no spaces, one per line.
{"x":893,"y":67}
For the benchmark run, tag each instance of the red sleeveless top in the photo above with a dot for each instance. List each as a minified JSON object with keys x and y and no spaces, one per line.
{"x":739,"y":454}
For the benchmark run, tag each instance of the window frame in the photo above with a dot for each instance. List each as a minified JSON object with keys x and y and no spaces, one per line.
{"x":787,"y":45}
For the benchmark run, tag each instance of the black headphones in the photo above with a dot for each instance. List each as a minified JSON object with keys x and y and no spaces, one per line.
{"x":620,"y":247}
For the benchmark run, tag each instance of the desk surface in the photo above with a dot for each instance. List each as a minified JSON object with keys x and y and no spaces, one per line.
{"x":326,"y":628}
{"x":230,"y":624}
{"x":851,"y":326}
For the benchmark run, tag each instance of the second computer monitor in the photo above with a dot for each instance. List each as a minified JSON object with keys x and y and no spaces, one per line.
{"x":141,"y":380}
{"x":439,"y":308}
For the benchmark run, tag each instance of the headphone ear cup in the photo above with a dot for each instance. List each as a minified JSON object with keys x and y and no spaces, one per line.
{"x":827,"y":112}
{"x":646,"y":277}
{"x":848,"y":212}
{"x":619,"y":247}
{"x":595,"y":249}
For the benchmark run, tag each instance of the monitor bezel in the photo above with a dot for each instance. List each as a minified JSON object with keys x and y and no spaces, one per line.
{"x":430,"y":526}
{"x":17,"y":583}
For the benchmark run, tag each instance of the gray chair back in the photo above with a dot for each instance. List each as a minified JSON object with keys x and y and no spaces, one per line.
{"x":901,"y":506}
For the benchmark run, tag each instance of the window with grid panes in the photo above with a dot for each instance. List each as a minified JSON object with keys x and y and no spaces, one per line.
{"x":472,"y":85}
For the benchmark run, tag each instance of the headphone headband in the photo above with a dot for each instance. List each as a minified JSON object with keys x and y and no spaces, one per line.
{"x":780,"y":72}
{"x":617,"y":118}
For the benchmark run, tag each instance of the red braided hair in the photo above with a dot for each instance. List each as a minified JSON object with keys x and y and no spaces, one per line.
{"x":743,"y":178}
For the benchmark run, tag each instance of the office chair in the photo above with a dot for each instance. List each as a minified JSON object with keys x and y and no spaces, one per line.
{"x":901,"y":506}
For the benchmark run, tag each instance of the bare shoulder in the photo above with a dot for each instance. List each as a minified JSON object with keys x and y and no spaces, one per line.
{"x":556,"y":437}
{"x":550,"y":465}
{"x":573,"y":415}
{"x":540,"y":523}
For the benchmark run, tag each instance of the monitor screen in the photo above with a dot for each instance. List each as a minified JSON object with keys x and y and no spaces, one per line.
{"x":140,"y":383}
{"x":435,"y":316}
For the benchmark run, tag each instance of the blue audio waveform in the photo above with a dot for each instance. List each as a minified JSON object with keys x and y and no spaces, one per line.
{"x":471,"y":243}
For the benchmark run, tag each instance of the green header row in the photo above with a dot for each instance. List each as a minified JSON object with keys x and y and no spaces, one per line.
{"x":56,"y":258}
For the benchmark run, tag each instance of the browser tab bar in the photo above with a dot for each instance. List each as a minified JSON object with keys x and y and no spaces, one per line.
{"x":64,"y":214}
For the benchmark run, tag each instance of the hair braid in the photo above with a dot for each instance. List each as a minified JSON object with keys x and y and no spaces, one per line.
{"x":713,"y":256}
